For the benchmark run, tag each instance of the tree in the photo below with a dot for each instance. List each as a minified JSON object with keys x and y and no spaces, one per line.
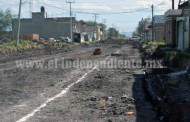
{"x":103,"y":26}
{"x":140,"y":28}
{"x":112,"y":32}
{"x":122,"y":36}
{"x":5,"y":20}
{"x":91,"y":24}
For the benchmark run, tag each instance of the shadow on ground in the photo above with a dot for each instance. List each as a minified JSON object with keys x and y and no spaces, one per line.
{"x":145,"y":110}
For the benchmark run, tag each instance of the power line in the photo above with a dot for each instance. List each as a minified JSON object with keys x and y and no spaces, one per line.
{"x":108,"y":13}
{"x":105,"y":1}
{"x":52,"y":5}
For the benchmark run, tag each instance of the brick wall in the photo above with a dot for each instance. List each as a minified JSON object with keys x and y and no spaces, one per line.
{"x":159,"y":31}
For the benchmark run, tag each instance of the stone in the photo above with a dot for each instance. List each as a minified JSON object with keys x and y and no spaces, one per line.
{"x":93,"y":99}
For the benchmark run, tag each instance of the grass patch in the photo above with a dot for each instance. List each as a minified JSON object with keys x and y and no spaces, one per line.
{"x":23,"y":45}
{"x":58,"y":44}
{"x":154,"y":43}
{"x":27,"y":45}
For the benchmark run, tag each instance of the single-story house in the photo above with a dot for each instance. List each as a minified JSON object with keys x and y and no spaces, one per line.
{"x":178,"y":26}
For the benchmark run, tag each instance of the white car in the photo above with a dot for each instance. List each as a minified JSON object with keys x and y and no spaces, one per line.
{"x":64,"y":39}
{"x":135,"y":38}
{"x":68,"y":39}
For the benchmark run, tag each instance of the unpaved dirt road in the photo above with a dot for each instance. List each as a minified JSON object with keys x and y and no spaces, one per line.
{"x":76,"y":94}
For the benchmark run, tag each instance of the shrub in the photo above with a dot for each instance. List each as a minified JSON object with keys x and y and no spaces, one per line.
{"x":23,"y":45}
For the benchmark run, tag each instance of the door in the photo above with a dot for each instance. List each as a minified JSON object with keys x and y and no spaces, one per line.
{"x":180,"y":36}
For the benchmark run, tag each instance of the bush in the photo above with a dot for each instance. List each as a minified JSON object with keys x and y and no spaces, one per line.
{"x":153,"y":43}
{"x":178,"y":58}
{"x":23,"y":45}
{"x":58,"y":44}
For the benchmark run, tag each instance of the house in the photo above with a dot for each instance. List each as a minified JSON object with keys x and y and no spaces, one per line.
{"x":45,"y":27}
{"x":93,"y":32}
{"x":144,"y":25}
{"x":178,"y":25}
{"x":159,"y":27}
{"x":148,"y":31}
{"x":87,"y":33}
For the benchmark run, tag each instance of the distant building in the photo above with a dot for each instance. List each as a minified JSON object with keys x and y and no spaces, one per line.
{"x":45,"y":27}
{"x":159,"y":27}
{"x":93,"y":33}
{"x":148,"y":31}
{"x":89,"y":32}
{"x":56,"y":27}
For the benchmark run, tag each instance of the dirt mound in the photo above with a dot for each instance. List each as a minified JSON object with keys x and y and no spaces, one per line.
{"x":97,"y":51}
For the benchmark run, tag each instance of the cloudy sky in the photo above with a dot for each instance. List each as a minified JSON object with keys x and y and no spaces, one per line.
{"x":123,"y":14}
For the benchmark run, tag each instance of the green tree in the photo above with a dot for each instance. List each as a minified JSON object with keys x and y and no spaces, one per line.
{"x":112,"y":32}
{"x":103,"y":26}
{"x":5,"y":20}
{"x":122,"y":36}
{"x":91,"y":24}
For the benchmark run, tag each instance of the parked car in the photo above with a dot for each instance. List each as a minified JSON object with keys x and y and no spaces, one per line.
{"x":135,"y":38}
{"x":64,"y":39}
{"x":52,"y":39}
{"x":67,"y":39}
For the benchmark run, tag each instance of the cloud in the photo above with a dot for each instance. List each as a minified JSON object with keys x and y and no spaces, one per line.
{"x":10,"y":2}
{"x":138,"y":5}
{"x":145,"y":3}
{"x":92,"y":7}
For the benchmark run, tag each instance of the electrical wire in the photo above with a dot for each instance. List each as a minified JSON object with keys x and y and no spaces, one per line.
{"x":104,"y":1}
{"x":111,"y":13}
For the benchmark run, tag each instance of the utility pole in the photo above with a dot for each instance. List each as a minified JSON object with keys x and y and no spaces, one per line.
{"x":93,"y":38}
{"x":118,"y":32}
{"x":18,"y":34}
{"x":173,"y":24}
{"x":104,"y":31}
{"x":71,"y":21}
{"x":152,"y":22}
{"x":173,"y":4}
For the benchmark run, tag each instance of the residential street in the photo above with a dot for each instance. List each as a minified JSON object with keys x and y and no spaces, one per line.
{"x":76,"y":95}
{"x":95,"y":61}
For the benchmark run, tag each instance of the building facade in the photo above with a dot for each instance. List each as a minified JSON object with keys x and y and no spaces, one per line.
{"x":45,"y":27}
{"x":56,"y":27}
{"x":159,"y":27}
{"x":178,"y":28}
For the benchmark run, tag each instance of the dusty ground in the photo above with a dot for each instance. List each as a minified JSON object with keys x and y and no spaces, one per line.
{"x":101,"y":95}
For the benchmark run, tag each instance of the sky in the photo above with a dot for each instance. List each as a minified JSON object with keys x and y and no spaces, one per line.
{"x":122,"y":14}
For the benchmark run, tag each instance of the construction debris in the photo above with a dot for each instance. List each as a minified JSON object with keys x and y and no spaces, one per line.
{"x":97,"y":51}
